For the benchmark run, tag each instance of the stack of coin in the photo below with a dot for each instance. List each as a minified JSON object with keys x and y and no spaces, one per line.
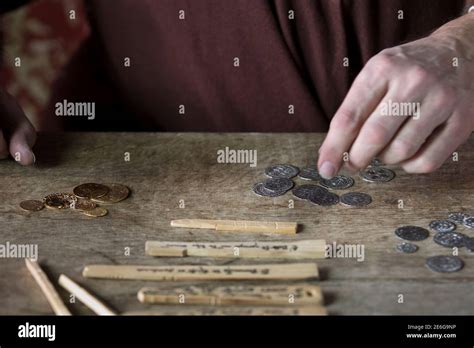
{"x":84,"y":199}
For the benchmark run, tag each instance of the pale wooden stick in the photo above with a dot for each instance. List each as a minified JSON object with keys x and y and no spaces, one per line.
{"x":261,"y":271}
{"x":239,"y":225}
{"x":269,"y":295}
{"x":306,"y":249}
{"x":47,"y":287}
{"x":235,"y":310}
{"x":84,"y":296}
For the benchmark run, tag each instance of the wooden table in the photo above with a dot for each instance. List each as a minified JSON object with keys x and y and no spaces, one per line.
{"x":166,"y":168}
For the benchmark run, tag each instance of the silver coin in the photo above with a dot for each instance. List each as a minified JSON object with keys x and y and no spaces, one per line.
{"x":356,"y":199}
{"x":305,"y":191}
{"x":469,"y":243}
{"x":377,"y":174}
{"x":457,"y":217}
{"x":278,"y":184}
{"x":407,"y":248}
{"x":450,"y":239}
{"x":469,"y":222}
{"x":339,"y":182}
{"x":309,"y":173}
{"x":260,"y":190}
{"x":412,"y":233}
{"x":442,"y":226}
{"x":282,"y":171}
{"x":444,"y":264}
{"x":324,"y":200}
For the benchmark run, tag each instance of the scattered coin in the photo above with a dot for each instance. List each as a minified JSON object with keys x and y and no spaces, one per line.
{"x":356,"y":199}
{"x":457,"y":217}
{"x":59,"y":200}
{"x":260,"y":190}
{"x":84,"y":204}
{"x":305,"y":191}
{"x":324,"y":200}
{"x":278,"y":184}
{"x":91,"y":190}
{"x":469,"y":243}
{"x":469,"y":222}
{"x":412,"y":233}
{"x":444,"y":264}
{"x":96,"y":212}
{"x":339,"y":182}
{"x":377,"y":174}
{"x":309,"y":173}
{"x":450,"y":239}
{"x":32,"y":205}
{"x":407,"y":248}
{"x":282,"y":171}
{"x":442,"y":226}
{"x":117,"y":193}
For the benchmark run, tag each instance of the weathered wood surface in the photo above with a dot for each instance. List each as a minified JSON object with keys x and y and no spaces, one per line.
{"x":167,"y":168}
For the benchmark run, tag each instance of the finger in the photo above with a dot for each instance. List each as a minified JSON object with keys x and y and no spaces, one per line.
{"x":21,"y":134}
{"x":439,"y":146}
{"x":376,"y":133}
{"x":435,"y":110}
{"x":365,"y":94}
{"x":3,"y":147}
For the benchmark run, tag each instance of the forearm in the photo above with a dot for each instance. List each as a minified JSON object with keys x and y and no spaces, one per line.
{"x":459,"y":35}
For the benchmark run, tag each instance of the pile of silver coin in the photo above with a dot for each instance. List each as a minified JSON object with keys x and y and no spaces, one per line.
{"x":318,"y":192}
{"x":446,"y":235}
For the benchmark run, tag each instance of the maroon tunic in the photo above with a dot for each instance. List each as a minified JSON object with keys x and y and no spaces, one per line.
{"x":237,"y":65}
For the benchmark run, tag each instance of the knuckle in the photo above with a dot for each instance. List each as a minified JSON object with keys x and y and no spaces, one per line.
{"x":345,"y":119}
{"x":376,"y":134}
{"x":401,"y":149}
{"x":381,"y":63}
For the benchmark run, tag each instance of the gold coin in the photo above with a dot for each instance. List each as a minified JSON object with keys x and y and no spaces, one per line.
{"x":96,"y":212}
{"x":32,"y":205}
{"x":84,"y":204}
{"x":116,"y":194}
{"x":90,"y":190}
{"x":59,"y":200}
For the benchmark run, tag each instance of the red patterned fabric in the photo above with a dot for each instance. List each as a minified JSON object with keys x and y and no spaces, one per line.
{"x":45,"y":37}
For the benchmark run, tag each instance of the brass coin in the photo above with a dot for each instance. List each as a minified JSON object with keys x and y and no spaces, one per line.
{"x":96,"y":212}
{"x":32,"y":205}
{"x":116,"y":194}
{"x":59,"y":200}
{"x":90,"y":190}
{"x":84,"y":204}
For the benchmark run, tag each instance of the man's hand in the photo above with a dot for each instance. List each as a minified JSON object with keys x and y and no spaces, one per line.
{"x":17,"y":135}
{"x":435,"y":74}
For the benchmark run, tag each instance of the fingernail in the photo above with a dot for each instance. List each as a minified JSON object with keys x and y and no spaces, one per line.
{"x":34,"y":157}
{"x":327,"y":170}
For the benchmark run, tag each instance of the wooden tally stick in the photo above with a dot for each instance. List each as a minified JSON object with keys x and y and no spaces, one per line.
{"x":235,"y":311}
{"x":47,"y":287}
{"x":269,"y":295}
{"x":84,"y":296}
{"x":240,"y":272}
{"x":239,"y":225}
{"x":306,"y":249}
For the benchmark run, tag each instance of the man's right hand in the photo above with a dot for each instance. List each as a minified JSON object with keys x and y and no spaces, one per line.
{"x":17,"y":134}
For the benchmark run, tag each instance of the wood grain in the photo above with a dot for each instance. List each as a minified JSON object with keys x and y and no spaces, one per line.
{"x":176,"y":176}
